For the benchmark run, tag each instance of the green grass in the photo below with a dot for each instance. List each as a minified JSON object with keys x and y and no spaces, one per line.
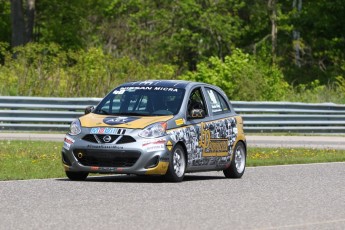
{"x":30,"y":160}
{"x":281,"y":156}
{"x":41,"y":159}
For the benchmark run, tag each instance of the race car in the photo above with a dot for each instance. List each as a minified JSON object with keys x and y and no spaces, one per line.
{"x":157,"y":127}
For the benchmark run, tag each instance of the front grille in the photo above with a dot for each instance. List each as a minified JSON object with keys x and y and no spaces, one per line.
{"x":99,"y":138}
{"x":90,"y":138}
{"x":106,"y":158}
{"x":125,"y":140}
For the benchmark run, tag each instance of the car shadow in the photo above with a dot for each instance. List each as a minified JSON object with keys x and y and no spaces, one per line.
{"x":143,"y":178}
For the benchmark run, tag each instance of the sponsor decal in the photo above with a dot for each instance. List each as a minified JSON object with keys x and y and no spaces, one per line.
{"x":133,"y":88}
{"x":208,"y":143}
{"x":106,"y":131}
{"x":107,"y":169}
{"x":147,"y":82}
{"x":68,"y":141}
{"x":118,"y":120}
{"x":179,"y":121}
{"x":119,"y":91}
{"x":211,"y":146}
{"x":154,"y":145}
{"x":156,"y":88}
{"x":154,"y":141}
{"x":104,"y":147}
{"x":169,"y":145}
{"x":166,"y":89}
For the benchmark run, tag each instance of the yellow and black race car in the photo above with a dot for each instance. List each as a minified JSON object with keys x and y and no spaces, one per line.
{"x":156,"y":127}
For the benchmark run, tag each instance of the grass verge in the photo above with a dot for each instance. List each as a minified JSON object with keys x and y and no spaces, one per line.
{"x":283,"y":156}
{"x":30,"y":160}
{"x":41,"y":159}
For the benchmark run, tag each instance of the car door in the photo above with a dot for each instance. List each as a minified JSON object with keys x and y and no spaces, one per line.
{"x":196,"y":102}
{"x":208,"y":133}
{"x":217,"y":131}
{"x":222,"y":126}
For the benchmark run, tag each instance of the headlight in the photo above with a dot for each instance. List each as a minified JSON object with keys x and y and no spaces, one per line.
{"x":75,"y":127}
{"x":154,"y":130}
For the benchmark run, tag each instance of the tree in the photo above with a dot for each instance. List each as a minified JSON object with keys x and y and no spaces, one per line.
{"x":272,"y":7}
{"x":70,"y":24}
{"x":323,"y":24}
{"x":5,"y":21}
{"x":22,"y":19}
{"x":179,"y":32}
{"x":321,"y":44}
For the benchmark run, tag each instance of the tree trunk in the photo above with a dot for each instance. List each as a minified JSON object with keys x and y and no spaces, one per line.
{"x":18,"y":23}
{"x":274,"y":29}
{"x":30,"y":14}
{"x":296,"y":34}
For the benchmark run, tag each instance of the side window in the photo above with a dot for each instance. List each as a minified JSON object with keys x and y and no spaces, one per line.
{"x":218,"y":103}
{"x":223,"y":103}
{"x":196,"y":101}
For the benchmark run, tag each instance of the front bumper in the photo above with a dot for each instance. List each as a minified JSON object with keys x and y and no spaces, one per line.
{"x":82,"y":153}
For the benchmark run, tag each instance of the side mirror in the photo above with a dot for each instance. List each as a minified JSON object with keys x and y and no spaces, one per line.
{"x":197,"y":114}
{"x":89,"y":109}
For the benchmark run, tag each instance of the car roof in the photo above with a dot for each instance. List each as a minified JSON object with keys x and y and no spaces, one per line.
{"x":162,"y":83}
{"x":179,"y":84}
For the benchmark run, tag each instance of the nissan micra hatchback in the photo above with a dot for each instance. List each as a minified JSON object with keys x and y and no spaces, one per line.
{"x":154,"y":127}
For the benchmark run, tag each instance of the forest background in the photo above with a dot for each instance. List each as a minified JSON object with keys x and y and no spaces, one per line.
{"x":255,"y":50}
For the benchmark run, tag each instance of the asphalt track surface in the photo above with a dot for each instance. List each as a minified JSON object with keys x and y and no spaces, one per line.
{"x":320,"y":142}
{"x":276,"y":197}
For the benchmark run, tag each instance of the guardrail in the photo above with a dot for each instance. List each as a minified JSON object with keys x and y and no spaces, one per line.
{"x":292,"y":117}
{"x":41,"y":113}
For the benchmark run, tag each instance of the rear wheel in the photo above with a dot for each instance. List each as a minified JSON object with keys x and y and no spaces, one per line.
{"x":238,"y":163}
{"x":76,"y":176}
{"x":177,"y":165}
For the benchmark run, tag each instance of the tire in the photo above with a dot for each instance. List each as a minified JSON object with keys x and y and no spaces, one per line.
{"x":238,"y":163}
{"x":177,"y":165}
{"x":76,"y":176}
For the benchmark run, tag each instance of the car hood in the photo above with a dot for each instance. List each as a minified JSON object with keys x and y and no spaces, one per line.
{"x":130,"y":122}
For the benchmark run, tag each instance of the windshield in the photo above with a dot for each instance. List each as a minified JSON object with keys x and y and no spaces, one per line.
{"x":141,"y":101}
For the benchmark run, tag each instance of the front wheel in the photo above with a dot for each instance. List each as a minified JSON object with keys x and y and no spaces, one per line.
{"x":177,"y":165}
{"x":76,"y":176}
{"x":238,"y":163}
